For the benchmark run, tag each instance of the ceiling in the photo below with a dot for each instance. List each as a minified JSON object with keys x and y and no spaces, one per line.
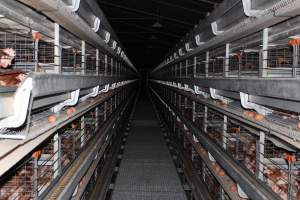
{"x":133,"y":20}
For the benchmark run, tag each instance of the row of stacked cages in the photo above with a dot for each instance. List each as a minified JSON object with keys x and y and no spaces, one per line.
{"x":181,"y":141}
{"x":245,"y":57}
{"x":35,"y":52}
{"x":267,"y":158}
{"x":104,"y":170}
{"x":38,"y":172}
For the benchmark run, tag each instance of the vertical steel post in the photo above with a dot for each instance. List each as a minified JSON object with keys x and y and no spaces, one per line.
{"x":105,"y":110}
{"x":226,"y":66}
{"x":57,"y":155}
{"x":186,"y":67}
{"x":57,"y":49}
{"x":82,"y":131}
{"x":97,"y":118}
{"x":264,"y":64}
{"x":205,"y":119}
{"x":97,"y":61}
{"x":83,"y":59}
{"x":35,"y":178}
{"x":195,"y":67}
{"x":206,"y":64}
{"x":105,"y":64}
{"x":36,"y":51}
{"x":295,"y":60}
{"x":194,"y":111}
{"x":260,"y":156}
{"x":224,"y":131}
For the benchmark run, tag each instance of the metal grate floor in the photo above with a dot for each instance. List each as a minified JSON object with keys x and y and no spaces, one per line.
{"x":147,"y":171}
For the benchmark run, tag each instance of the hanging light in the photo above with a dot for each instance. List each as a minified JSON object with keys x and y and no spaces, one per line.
{"x":153,"y":37}
{"x":157,"y":24}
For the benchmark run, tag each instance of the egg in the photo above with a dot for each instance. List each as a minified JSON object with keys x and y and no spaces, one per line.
{"x":217,"y":168}
{"x":69,"y":111}
{"x":246,"y":113}
{"x":233,"y":188}
{"x":298,"y":125}
{"x":251,"y":114}
{"x":74,"y":125}
{"x":73,"y":109}
{"x":221,"y":173}
{"x":259,"y":117}
{"x":37,"y":154}
{"x":52,"y":119}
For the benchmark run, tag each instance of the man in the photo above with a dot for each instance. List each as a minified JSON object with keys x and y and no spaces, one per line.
{"x":9,"y":78}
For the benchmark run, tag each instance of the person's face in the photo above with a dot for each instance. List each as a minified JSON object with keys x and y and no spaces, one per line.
{"x":5,"y":61}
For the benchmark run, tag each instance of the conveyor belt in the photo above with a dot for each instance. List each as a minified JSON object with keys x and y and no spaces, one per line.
{"x":147,"y":170}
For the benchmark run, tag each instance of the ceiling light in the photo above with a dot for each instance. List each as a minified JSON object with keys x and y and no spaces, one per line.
{"x":153,"y":37}
{"x":157,"y":24}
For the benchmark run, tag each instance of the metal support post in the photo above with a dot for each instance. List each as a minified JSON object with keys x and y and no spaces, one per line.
{"x":57,"y":50}
{"x":206,"y":64}
{"x":205,"y":119}
{"x":105,"y":110}
{"x":36,"y":53}
{"x":194,"y":111}
{"x":260,"y":156}
{"x":57,"y":155}
{"x":186,"y":67}
{"x":97,"y":118}
{"x":264,"y":63}
{"x":226,"y":66}
{"x":295,"y":60}
{"x":224,"y":131}
{"x":82,"y":131}
{"x":105,"y":64}
{"x":111,"y":67}
{"x":35,"y":178}
{"x":195,"y":67}
{"x":97,"y":61}
{"x":83,"y":64}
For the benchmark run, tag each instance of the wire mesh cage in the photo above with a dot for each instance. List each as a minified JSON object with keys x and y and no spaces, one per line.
{"x":241,"y":145}
{"x":190,"y":67}
{"x":244,"y":61}
{"x":200,"y":65}
{"x":109,"y":66}
{"x":216,"y":62}
{"x":211,"y":183}
{"x":46,"y":57}
{"x":199,"y":115}
{"x":20,"y":184}
{"x":280,"y":60}
{"x":215,"y":124}
{"x":34,"y":51}
{"x":24,"y":48}
{"x":71,"y":60}
{"x":183,"y":69}
{"x":90,"y":60}
{"x":101,"y":61}
{"x":281,"y":170}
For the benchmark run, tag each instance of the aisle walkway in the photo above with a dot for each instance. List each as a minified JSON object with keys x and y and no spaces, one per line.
{"x":147,"y":170}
